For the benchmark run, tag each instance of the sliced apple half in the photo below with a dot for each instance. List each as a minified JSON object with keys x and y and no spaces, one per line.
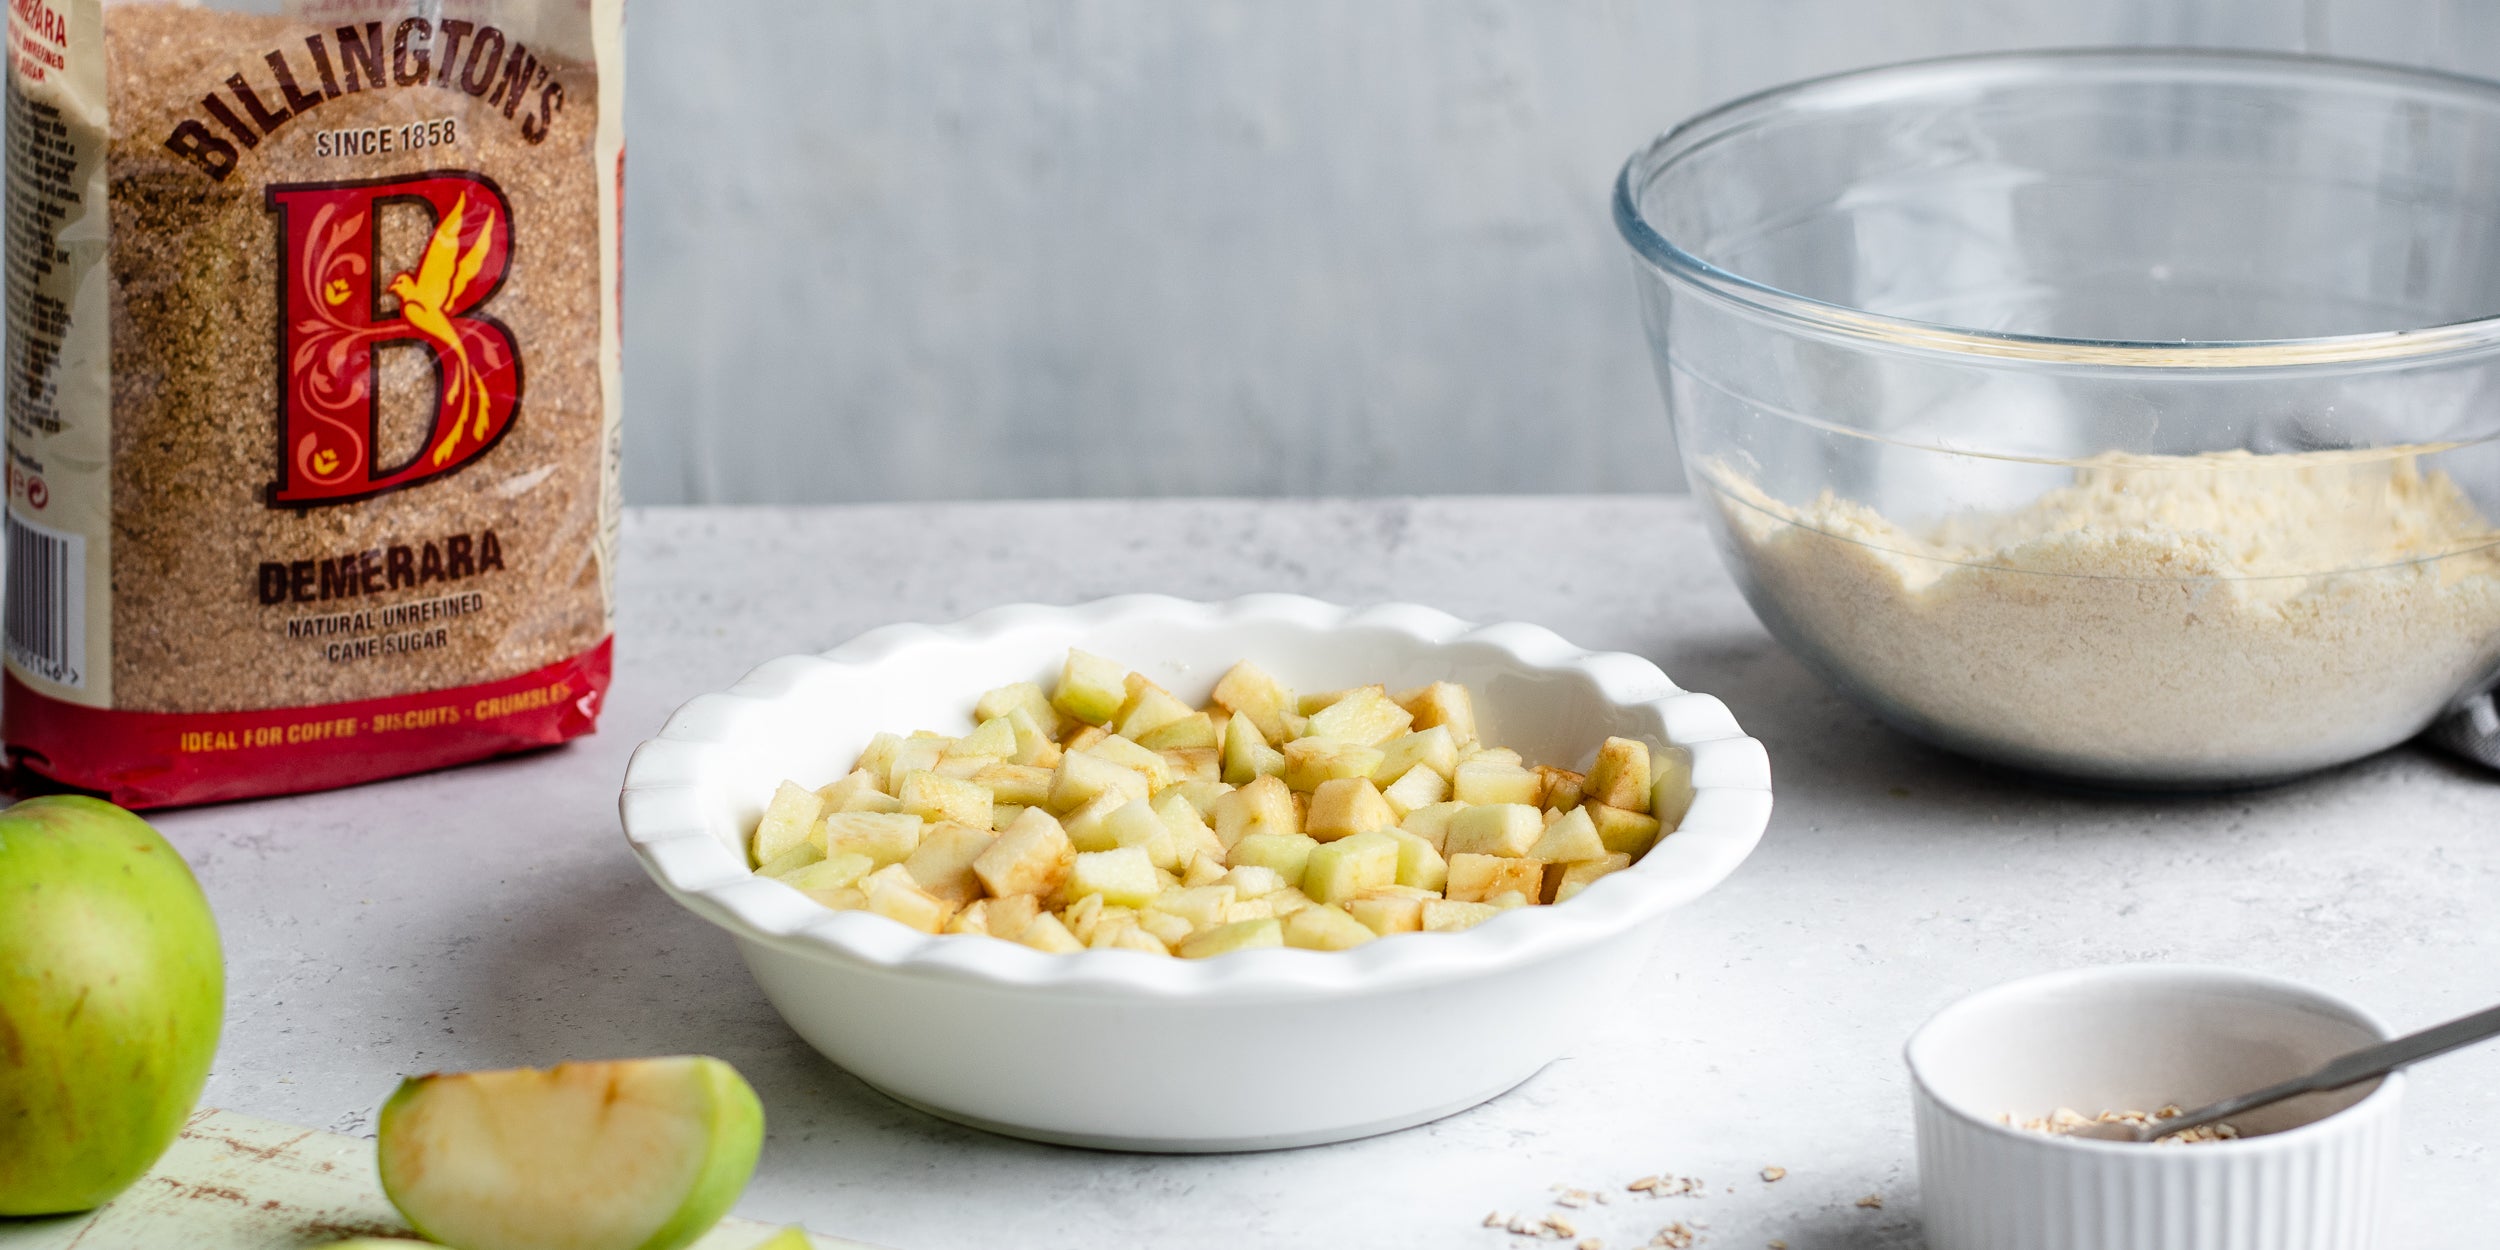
{"x":636,"y":1154}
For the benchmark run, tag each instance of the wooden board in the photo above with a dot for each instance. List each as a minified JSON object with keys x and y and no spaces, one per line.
{"x":231,"y":1182}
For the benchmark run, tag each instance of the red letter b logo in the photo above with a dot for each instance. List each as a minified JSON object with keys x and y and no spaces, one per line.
{"x":332,"y":322}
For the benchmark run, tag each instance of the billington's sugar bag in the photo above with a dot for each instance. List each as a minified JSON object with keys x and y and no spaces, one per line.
{"x":312,"y":397}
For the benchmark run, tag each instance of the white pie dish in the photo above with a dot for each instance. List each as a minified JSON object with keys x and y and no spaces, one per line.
{"x":1120,"y":1050}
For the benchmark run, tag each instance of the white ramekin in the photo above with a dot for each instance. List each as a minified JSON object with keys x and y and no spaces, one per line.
{"x":1253,"y":1050}
{"x":2135,"y":1037}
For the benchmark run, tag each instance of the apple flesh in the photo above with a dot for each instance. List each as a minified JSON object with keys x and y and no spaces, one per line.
{"x":636,"y":1154}
{"x":112,"y":988}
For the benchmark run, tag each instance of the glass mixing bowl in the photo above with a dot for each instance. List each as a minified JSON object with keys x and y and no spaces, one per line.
{"x":2127,"y":417}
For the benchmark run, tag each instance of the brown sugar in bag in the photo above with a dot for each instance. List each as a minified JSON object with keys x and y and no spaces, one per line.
{"x":312,"y":395}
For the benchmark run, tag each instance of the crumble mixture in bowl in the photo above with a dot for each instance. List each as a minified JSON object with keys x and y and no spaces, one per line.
{"x":2162,"y":620}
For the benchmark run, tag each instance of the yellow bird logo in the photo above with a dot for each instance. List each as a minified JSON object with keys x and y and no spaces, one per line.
{"x":425,"y":299}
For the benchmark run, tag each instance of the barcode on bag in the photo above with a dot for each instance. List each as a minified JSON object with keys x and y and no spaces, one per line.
{"x":47,"y":602}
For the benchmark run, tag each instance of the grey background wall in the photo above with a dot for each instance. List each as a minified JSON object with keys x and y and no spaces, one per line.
{"x":923,"y":249}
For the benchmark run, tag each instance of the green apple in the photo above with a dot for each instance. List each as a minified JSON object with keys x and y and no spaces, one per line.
{"x":634,"y":1154}
{"x":112,"y":988}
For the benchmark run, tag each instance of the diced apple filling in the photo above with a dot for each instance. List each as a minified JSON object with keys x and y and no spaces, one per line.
{"x":1108,"y":814}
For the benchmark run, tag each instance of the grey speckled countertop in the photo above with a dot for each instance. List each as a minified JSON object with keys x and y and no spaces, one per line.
{"x":492,"y":916}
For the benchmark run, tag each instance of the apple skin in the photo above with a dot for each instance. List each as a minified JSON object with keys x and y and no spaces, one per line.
{"x":112,"y":990}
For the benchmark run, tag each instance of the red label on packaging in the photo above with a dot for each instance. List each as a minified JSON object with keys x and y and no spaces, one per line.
{"x":158,"y":759}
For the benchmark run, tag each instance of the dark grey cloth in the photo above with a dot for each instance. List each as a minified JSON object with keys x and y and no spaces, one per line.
{"x":2472,"y":729}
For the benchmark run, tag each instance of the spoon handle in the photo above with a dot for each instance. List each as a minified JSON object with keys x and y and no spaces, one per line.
{"x":2351,"y":1069}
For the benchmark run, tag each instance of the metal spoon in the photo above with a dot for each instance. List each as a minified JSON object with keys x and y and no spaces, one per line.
{"x":2361,"y":1065}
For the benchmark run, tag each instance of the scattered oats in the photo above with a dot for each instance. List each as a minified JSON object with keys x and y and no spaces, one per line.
{"x":1520,"y":1226}
{"x":1774,"y":1173}
{"x":1561,"y":1228}
{"x":1872,"y":1202}
{"x":1676,"y":1236}
{"x":1493,"y":1219}
{"x":1643,"y":1185}
{"x":1601,"y":1197}
{"x":1779,"y":1245}
{"x":1590,"y":1243}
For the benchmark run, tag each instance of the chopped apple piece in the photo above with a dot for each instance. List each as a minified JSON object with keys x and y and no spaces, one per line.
{"x":1420,"y":787}
{"x":1582,"y":875}
{"x":1202,"y":906}
{"x":1386,"y":914}
{"x":1442,"y":915}
{"x":1193,"y":732}
{"x":1671,"y":794}
{"x":1248,"y":909}
{"x":1630,"y":833}
{"x":1204,"y":870}
{"x":790,"y":861}
{"x":1349,"y":866}
{"x":942,"y":863}
{"x":1253,"y":881}
{"x":1366,"y":716}
{"x":1082,"y":915}
{"x":1263,"y":806}
{"x":1125,"y":876}
{"x":972,"y":921}
{"x":1326,"y":928}
{"x":786,"y":820}
{"x":1569,"y":840}
{"x":940,"y":800}
{"x":1248,"y":691}
{"x":1347,"y":806}
{"x":1032,"y":857}
{"x":833,"y":872}
{"x":1035,"y":747}
{"x":1091,"y":688}
{"x":1194,"y":763}
{"x":996,"y":738}
{"x":1085,"y":736}
{"x":1561,"y":786}
{"x":885,"y":837}
{"x":913,"y":755}
{"x":1420,"y":865}
{"x":1048,"y":935}
{"x":1432,"y":824}
{"x":1287,"y":901}
{"x":1475,"y":878}
{"x":1310,"y":761}
{"x":896,"y":895}
{"x":1190,"y":831}
{"x":1018,"y":784}
{"x":1620,"y":779}
{"x":1499,"y":829}
{"x":870,"y":801}
{"x":1199,"y":794}
{"x":1167,"y":928}
{"x":1009,"y":914}
{"x":1288,"y":855}
{"x":1127,"y":935}
{"x":1136,"y":824}
{"x":962,"y":767}
{"x":1425,"y":748}
{"x":877,"y":758}
{"x":1148,"y":707}
{"x":1089,"y":826}
{"x":1482,"y":754}
{"x":1082,"y":776}
{"x":1023,"y":696}
{"x":858,"y":783}
{"x":1481,"y":782}
{"x":1247,"y":756}
{"x":1154,"y":768}
{"x":1443,"y":704}
{"x":1225,"y":939}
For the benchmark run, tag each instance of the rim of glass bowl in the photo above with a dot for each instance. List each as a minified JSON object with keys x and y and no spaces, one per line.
{"x":1854,"y":88}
